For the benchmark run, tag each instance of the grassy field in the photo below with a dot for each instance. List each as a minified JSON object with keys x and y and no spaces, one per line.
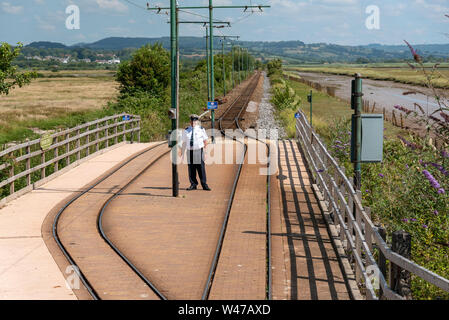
{"x":53,"y":99}
{"x":397,"y":73}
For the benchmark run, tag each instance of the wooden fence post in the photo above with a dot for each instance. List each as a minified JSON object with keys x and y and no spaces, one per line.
{"x":115,"y":130}
{"x":67,"y":149}
{"x":11,"y":173}
{"x":399,"y":278}
{"x":106,"y":134}
{"x":381,"y":261}
{"x":42,"y":162}
{"x":87,"y":142}
{"x":138,"y":133}
{"x":78,"y":144}
{"x":28,"y":165}
{"x":56,"y":153}
{"x":97,"y":136}
{"x":124,"y":129}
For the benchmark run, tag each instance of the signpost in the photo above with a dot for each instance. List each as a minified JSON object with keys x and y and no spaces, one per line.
{"x":367,"y":133}
{"x":309,"y":99}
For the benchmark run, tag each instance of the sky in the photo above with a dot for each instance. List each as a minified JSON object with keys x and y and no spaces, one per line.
{"x":344,"y":22}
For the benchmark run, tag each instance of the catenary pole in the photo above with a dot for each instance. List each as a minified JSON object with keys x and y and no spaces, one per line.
{"x":174,"y":98}
{"x":212,"y":77}
{"x":224,"y":68}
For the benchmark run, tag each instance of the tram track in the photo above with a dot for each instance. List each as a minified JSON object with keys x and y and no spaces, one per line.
{"x":239,"y":103}
{"x":87,"y":284}
{"x":230,"y":119}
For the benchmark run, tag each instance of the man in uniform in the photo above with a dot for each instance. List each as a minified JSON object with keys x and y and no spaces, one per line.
{"x":194,"y":139}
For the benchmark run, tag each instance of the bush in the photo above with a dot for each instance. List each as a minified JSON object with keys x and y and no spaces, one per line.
{"x":285,"y":98}
{"x":149,"y":70}
{"x":274,"y":66}
{"x":151,"y":108}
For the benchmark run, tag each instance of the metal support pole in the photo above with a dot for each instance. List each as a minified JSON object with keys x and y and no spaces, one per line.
{"x":224,"y":68}
{"x":247,"y":63}
{"x":233,"y":67}
{"x":208,"y":64}
{"x":174,"y":98}
{"x":358,"y":132}
{"x":177,"y":68}
{"x":212,"y":78}
{"x":311,"y":107}
{"x":238,"y":64}
{"x":242,"y":65}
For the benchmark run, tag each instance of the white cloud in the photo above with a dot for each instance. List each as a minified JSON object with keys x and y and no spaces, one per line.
{"x":114,"y":5}
{"x":9,"y":8}
{"x":44,"y":24}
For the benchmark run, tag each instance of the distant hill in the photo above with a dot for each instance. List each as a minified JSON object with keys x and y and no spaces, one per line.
{"x":290,"y":51}
{"x":426,"y":49}
{"x":46,"y":45}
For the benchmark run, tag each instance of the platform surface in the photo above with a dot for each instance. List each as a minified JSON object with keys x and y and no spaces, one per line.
{"x":27,"y":269}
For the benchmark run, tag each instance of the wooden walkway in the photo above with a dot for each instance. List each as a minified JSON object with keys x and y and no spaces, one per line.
{"x":304,"y":260}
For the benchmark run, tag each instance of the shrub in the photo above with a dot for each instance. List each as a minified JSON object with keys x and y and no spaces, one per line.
{"x":149,"y":70}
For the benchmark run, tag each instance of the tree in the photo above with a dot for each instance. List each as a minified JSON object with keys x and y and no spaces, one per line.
{"x":149,"y":70}
{"x":274,"y":66}
{"x":9,"y":78}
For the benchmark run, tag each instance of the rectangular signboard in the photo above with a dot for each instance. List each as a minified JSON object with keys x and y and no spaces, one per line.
{"x":212,"y":105}
{"x":372,"y":138}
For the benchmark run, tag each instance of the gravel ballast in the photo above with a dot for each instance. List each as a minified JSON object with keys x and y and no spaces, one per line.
{"x":267,"y":119}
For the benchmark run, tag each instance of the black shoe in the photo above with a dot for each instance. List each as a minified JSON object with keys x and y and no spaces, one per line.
{"x":206,"y":188}
{"x":192,"y":187}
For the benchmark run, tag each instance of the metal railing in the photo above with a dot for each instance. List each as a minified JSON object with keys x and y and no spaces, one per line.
{"x":353,"y":222}
{"x":28,"y":163}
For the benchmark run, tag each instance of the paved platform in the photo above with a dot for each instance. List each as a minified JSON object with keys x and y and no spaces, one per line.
{"x":27,"y":269}
{"x":172,"y":240}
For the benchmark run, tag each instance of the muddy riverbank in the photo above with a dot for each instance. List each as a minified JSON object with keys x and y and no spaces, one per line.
{"x":384,"y":94}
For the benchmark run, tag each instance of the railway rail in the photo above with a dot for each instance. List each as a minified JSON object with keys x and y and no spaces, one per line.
{"x":230,"y":117}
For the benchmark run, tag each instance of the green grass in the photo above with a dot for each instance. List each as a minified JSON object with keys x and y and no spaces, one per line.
{"x":400,"y":74}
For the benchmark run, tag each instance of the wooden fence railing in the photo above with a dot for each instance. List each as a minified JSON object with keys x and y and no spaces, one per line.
{"x":24,"y":164}
{"x":353,"y":222}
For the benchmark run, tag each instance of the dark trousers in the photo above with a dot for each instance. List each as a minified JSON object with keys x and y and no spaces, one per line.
{"x":195,"y":160}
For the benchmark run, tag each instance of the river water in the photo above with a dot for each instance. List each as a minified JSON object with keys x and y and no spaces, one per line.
{"x":386,"y":94}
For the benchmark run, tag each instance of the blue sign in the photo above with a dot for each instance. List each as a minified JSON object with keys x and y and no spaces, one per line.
{"x":297,"y":115}
{"x":212,"y":105}
{"x":126,"y":118}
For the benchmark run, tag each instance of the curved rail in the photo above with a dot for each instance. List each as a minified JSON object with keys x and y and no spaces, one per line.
{"x":111,"y":244}
{"x":235,"y":121}
{"x":78,"y":271}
